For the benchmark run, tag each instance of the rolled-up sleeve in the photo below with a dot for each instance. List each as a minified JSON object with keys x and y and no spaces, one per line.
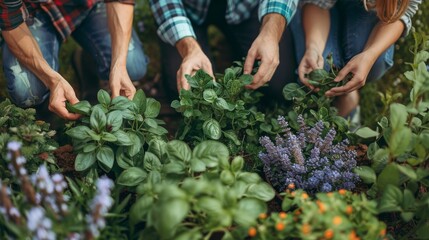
{"x":12,"y":14}
{"x":286,"y":8}
{"x":407,"y":18}
{"x":131,"y":2}
{"x":173,"y":23}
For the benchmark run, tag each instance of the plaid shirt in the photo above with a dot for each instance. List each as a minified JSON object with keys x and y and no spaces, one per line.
{"x":173,"y":16}
{"x":65,"y":14}
{"x":407,"y":18}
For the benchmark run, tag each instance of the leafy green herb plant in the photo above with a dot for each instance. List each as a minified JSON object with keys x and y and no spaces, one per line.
{"x":114,"y":130}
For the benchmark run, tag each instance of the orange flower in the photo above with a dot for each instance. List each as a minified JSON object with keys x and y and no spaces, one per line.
{"x":280,"y":226}
{"x":383,"y":232}
{"x":282,"y":215}
{"x":330,"y":194}
{"x":352,"y":235}
{"x":306,"y":229}
{"x":262,"y":216}
{"x":329,"y":234}
{"x":291,"y":186}
{"x":293,"y":194}
{"x":304,"y":196}
{"x":349,"y":210}
{"x":337,"y":220}
{"x":322,"y":207}
{"x":342,"y":192}
{"x":252,"y":232}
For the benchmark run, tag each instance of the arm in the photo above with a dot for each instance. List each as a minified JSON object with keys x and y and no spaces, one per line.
{"x":382,"y":37}
{"x":25,"y":48}
{"x":316,"y":24}
{"x":274,"y":14}
{"x":175,"y":28}
{"x":120,"y":19}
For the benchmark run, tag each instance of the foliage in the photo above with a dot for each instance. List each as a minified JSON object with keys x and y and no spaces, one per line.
{"x":17,"y":124}
{"x":191,"y":194}
{"x":334,"y":215}
{"x":221,"y":110}
{"x":309,"y":159}
{"x":399,"y":173}
{"x":115,"y":130}
{"x":39,"y":207}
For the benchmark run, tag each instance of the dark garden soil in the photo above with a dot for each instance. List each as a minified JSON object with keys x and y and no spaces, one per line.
{"x":65,"y":158}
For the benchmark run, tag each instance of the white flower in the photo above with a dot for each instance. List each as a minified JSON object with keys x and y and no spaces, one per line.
{"x":14,"y":146}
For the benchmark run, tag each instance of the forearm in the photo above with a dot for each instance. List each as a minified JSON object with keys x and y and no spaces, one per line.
{"x":273,"y":25}
{"x":382,"y":37}
{"x":187,"y":46}
{"x":316,"y":23}
{"x":25,"y":48}
{"x":120,"y":19}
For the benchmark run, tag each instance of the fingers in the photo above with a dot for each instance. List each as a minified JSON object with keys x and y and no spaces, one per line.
{"x":59,"y":107}
{"x":182,"y":82}
{"x":250,"y":61}
{"x":343,"y":73}
{"x":354,"y":84}
{"x":265,"y":72}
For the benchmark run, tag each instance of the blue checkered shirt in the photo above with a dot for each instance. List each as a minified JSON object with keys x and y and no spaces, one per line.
{"x":174,"y":16}
{"x":413,"y":6}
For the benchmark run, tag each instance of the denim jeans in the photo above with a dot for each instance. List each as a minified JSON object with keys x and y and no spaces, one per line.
{"x":351,"y":26}
{"x":26,"y":90}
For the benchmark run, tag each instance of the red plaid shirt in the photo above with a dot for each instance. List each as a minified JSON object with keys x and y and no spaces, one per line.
{"x":65,"y":14}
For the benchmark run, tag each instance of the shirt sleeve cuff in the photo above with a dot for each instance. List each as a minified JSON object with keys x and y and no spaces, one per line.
{"x":285,"y":8}
{"x":175,"y":29}
{"x":131,"y":2}
{"x":408,"y":25}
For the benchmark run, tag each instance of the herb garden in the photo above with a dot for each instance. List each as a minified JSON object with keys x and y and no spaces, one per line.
{"x":235,"y":169}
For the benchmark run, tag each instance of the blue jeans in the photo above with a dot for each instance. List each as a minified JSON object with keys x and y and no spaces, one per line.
{"x":351,"y":26}
{"x":26,"y":90}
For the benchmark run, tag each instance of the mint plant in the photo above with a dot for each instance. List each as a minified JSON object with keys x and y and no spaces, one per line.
{"x":115,"y":130}
{"x":314,"y":105}
{"x":193,"y":194}
{"x":222,"y":110}
{"x":399,"y":174}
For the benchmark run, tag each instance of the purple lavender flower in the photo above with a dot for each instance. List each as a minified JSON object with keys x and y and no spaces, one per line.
{"x":311,"y":160}
{"x":14,"y":146}
{"x":100,"y":206}
{"x":39,"y":224}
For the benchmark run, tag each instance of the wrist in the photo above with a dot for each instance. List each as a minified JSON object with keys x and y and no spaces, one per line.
{"x":186,"y":46}
{"x":273,"y":26}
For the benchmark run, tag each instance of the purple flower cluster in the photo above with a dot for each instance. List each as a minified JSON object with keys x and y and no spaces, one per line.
{"x":40,"y":225}
{"x":309,"y":159}
{"x":100,"y":206}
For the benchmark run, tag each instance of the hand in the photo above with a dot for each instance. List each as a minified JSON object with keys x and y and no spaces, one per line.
{"x":120,"y":83}
{"x":59,"y":94}
{"x":312,"y":60}
{"x":359,"y":66}
{"x":266,"y":49}
{"x":193,"y":60}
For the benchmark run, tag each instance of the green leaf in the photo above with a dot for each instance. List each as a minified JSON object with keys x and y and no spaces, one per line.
{"x":136,"y":146}
{"x":122,"y":138}
{"x":318,"y":75}
{"x":108,"y":137}
{"x":157,"y":147}
{"x":212,"y":129}
{"x":292,"y":91}
{"x":84,"y":161}
{"x":197,"y":165}
{"x":209,"y":95}
{"x":227,"y":177}
{"x":120,"y":103}
{"x":366,"y":132}
{"x":90,"y":147}
{"x":246,"y":79}
{"x":106,"y":157}
{"x":230,"y":134}
{"x":132,"y":177}
{"x":229,"y":75}
{"x":175,"y":104}
{"x":399,"y":141}
{"x":114,"y":120}
{"x":421,"y":56}
{"x":139,"y":101}
{"x":98,"y":119}
{"x":209,"y":205}
{"x":261,"y":190}
{"x":222,"y":104}
{"x":151,"y":162}
{"x":248,"y":211}
{"x":152,"y":108}
{"x":123,"y":160}
{"x":79,"y":132}
{"x":174,"y":167}
{"x":398,"y":115}
{"x":380,"y":159}
{"x":211,"y":153}
{"x":168,"y":215}
{"x":237,"y":164}
{"x":82,"y":107}
{"x":391,"y":200}
{"x":366,"y":173}
{"x":178,"y":151}
{"x":407,"y":171}
{"x":151,"y":122}
{"x":103,"y":97}
{"x":389,"y":176}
